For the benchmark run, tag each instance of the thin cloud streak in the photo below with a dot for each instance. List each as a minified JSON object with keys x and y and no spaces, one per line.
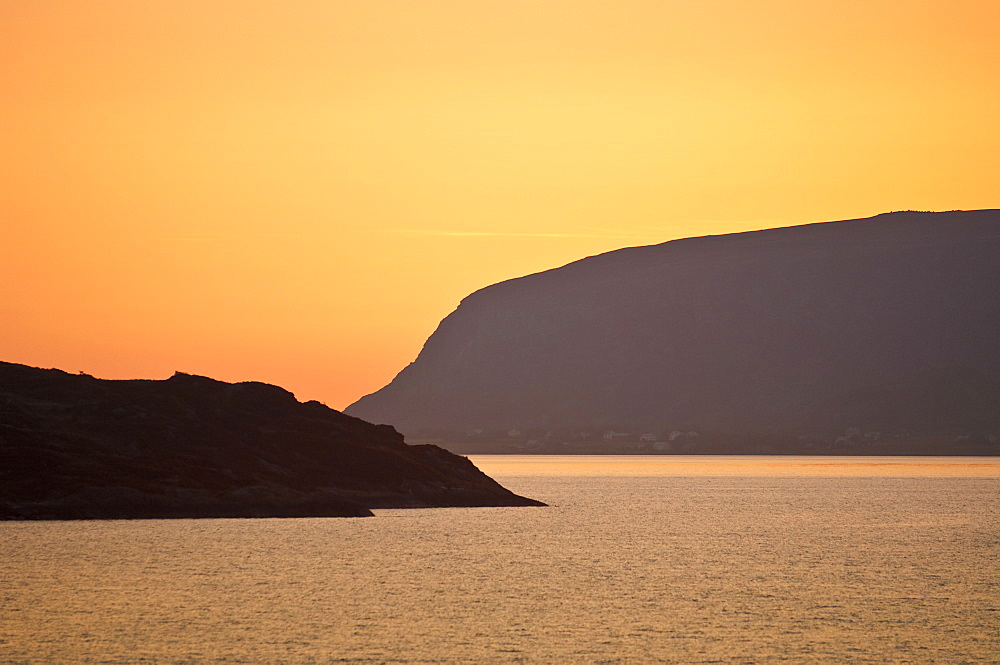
{"x":510,"y":234}
{"x":186,"y":238}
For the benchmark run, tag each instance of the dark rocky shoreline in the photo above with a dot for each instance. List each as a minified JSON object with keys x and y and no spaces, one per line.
{"x":77,"y":447}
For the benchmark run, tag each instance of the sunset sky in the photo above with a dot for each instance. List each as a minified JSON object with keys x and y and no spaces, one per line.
{"x":298,"y":192}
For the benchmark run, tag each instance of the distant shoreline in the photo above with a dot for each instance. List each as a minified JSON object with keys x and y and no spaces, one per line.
{"x":936,"y":446}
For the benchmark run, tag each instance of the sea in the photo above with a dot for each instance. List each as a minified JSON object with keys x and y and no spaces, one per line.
{"x":637,"y":559}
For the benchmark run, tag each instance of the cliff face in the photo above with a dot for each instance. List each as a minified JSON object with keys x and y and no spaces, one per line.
{"x":73,"y":446}
{"x":784,"y":328}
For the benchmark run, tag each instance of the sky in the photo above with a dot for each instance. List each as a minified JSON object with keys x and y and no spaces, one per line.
{"x":298,"y":192}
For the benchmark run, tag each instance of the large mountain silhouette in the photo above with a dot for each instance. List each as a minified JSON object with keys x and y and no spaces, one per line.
{"x":893,"y":319}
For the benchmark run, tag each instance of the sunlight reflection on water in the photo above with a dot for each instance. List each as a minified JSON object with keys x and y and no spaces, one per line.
{"x":737,"y":465}
{"x":637,"y":560}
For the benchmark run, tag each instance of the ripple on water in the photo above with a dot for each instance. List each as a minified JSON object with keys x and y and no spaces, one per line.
{"x":627,"y":566}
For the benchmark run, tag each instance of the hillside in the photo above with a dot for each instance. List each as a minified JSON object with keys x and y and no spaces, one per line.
{"x":72,"y":446}
{"x":887,"y":322}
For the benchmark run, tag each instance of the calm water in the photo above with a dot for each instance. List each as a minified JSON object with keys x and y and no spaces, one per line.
{"x":687,"y":559}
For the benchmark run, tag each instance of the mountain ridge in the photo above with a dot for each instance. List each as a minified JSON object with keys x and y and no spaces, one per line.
{"x":722,"y":314}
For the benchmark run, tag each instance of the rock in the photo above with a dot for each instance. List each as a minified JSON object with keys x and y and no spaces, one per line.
{"x":769,"y":330}
{"x":76,"y":447}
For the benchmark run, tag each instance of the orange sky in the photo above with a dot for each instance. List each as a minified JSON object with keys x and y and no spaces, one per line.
{"x":298,"y":192}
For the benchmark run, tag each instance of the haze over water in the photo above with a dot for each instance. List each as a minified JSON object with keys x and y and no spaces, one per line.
{"x":638,"y":559}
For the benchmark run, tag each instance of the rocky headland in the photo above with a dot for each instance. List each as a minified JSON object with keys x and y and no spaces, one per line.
{"x":76,"y":447}
{"x":888,"y":325}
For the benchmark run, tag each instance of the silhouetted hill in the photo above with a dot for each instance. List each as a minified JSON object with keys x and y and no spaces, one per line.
{"x":72,"y":446}
{"x":892,"y":320}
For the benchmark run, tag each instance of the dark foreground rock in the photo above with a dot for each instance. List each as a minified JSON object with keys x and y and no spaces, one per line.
{"x":76,"y":447}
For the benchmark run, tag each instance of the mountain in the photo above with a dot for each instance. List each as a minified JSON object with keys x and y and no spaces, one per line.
{"x":72,"y":447}
{"x":887,"y":322}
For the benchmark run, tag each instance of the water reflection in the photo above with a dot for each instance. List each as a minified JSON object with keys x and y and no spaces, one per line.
{"x":738,"y":465}
{"x":638,"y":560}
